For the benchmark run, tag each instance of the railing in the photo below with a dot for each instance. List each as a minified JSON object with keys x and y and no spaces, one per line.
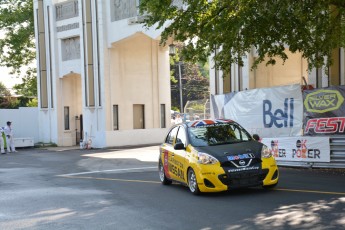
{"x":337,"y":146}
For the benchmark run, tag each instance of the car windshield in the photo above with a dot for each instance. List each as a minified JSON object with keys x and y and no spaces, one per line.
{"x":217,"y":134}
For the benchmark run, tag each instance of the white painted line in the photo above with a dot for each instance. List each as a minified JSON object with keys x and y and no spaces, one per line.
{"x":111,"y":170}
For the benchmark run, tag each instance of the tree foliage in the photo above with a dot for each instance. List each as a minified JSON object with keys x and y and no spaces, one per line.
{"x":28,"y":87}
{"x":312,"y":27}
{"x":6,"y":101}
{"x":194,"y":78}
{"x":3,"y":90}
{"x":17,"y":23}
{"x":17,"y":45}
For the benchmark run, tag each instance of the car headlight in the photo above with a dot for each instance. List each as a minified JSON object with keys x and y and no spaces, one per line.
{"x":265,"y":152}
{"x":204,"y":158}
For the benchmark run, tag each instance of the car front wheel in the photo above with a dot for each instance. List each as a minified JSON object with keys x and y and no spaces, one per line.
{"x":162,"y":176}
{"x":192,"y":182}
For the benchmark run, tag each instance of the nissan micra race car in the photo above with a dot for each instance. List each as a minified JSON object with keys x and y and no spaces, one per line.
{"x":214,"y":156}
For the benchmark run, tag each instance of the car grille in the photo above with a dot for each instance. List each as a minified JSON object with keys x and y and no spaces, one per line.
{"x":231,"y":163}
{"x":244,"y":179}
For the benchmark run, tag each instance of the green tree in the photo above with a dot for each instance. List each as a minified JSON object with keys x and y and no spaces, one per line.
{"x":312,"y":27}
{"x":17,"y":22}
{"x":32,"y":103}
{"x":3,"y":90}
{"x":28,"y":87}
{"x":194,"y":78}
{"x":17,"y":46}
{"x":6,"y":100}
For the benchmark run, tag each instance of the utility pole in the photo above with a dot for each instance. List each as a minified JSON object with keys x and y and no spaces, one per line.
{"x":180,"y":86}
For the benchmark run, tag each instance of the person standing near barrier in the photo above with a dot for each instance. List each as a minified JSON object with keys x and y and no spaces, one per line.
{"x":9,"y":138}
{"x":2,"y":140}
{"x":178,"y":119}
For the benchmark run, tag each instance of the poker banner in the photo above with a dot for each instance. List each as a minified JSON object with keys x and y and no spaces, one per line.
{"x":324,"y":111}
{"x":302,"y":149}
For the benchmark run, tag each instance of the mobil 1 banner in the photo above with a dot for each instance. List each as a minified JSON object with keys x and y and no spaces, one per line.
{"x":269,"y":112}
{"x":303,"y":149}
{"x":324,"y":111}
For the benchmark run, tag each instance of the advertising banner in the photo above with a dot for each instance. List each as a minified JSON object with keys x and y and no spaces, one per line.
{"x":302,"y":149}
{"x":269,"y":112}
{"x":324,"y":111}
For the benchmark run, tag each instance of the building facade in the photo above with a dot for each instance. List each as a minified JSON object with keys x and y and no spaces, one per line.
{"x":293,"y":71}
{"x":102,"y":77}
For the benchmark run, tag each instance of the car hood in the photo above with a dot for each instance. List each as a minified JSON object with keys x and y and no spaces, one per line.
{"x":222,"y":151}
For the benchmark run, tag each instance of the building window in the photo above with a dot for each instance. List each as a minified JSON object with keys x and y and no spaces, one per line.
{"x":163,"y":116}
{"x":115,"y":117}
{"x":66,"y":117}
{"x":138,"y":116}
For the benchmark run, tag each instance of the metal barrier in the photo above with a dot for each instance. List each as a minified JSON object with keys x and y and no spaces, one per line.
{"x":337,"y":146}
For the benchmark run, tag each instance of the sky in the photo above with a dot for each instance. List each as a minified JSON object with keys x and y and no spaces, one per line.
{"x":8,"y":80}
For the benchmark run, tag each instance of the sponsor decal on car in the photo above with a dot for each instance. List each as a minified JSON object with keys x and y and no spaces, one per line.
{"x":176,"y":168}
{"x":243,"y":169}
{"x":241,"y":156}
{"x":210,"y":123}
{"x":166,"y":162}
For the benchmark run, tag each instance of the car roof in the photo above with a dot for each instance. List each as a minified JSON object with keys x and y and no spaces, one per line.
{"x":208,"y":122}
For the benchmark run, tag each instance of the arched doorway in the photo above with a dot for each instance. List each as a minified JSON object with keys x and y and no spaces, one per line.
{"x":71,"y":104}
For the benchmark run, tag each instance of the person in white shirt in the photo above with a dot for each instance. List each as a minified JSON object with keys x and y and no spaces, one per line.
{"x":2,"y":141}
{"x":9,"y":138}
{"x":178,"y":119}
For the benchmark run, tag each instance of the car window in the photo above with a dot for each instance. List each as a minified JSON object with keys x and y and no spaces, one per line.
{"x":217,"y":134}
{"x":240,"y":133}
{"x":181,"y":136}
{"x":171,"y":136}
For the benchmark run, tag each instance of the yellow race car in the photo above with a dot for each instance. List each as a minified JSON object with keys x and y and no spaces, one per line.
{"x":214,"y":156}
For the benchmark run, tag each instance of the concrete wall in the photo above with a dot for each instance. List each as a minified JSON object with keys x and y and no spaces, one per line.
{"x":24,"y":122}
{"x":290,"y":72}
{"x":135,"y":137}
{"x":282,"y":73}
{"x":139,"y":75}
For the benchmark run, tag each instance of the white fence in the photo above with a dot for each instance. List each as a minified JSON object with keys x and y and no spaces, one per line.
{"x":24,"y":122}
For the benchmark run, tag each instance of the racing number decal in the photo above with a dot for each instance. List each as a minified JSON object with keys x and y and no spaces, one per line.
{"x":166,"y":163}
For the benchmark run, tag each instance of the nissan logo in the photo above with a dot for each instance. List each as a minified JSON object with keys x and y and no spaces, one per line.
{"x":242,"y":162}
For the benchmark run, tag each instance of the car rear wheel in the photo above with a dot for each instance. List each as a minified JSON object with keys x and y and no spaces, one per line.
{"x":162,"y":176}
{"x":192,"y":182}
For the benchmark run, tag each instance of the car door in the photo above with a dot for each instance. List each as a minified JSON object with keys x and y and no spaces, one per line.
{"x":168,"y":153}
{"x":179,"y":157}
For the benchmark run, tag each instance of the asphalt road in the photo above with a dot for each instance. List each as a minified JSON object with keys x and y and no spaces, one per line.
{"x":120,"y":189}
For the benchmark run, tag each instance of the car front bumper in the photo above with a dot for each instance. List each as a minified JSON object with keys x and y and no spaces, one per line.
{"x":214,"y":178}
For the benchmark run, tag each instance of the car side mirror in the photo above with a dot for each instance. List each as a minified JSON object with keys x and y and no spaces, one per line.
{"x":256,"y":137}
{"x":179,"y":146}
